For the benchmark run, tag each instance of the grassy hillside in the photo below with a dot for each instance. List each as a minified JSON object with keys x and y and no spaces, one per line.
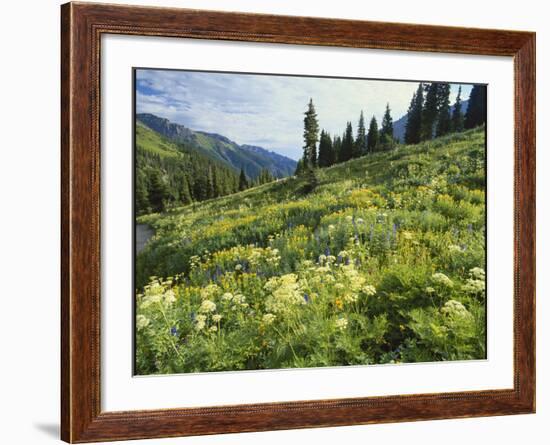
{"x":383,"y":262}
{"x":151,"y":142}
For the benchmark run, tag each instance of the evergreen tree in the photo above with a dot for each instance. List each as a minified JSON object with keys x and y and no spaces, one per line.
{"x":457,"y":120}
{"x":372,"y":136}
{"x":429,"y":112}
{"x":414,"y":117}
{"x":299,"y":167}
{"x":142,"y":195}
{"x":200,"y":188}
{"x":346,"y":150}
{"x":265,"y":176}
{"x":361,"y":140}
{"x":444,"y":113}
{"x":337,"y":149}
{"x":210,"y":187}
{"x":311,"y":135}
{"x":218,"y":182}
{"x":387,"y":123}
{"x":477,"y":112}
{"x":243,"y":182}
{"x":326,"y":156}
{"x":311,"y":179}
{"x":185,"y":193}
{"x":158,"y":192}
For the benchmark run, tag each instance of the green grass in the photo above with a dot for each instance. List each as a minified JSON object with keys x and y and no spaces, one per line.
{"x":382,"y":263}
{"x":150,"y":141}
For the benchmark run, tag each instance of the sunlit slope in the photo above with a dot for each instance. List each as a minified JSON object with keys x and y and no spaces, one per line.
{"x":433,"y":187}
{"x":383,"y":262}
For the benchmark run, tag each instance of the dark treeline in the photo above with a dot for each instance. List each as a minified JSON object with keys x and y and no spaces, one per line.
{"x":430,"y":115}
{"x":163,"y":181}
{"x":340,"y":148}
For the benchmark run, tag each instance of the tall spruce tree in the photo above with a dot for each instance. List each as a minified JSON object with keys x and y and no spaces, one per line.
{"x":326,"y":157}
{"x":429,"y":112}
{"x":142,"y":194}
{"x":476,"y":114}
{"x":443,"y":125}
{"x":311,"y":135}
{"x":331,"y":152}
{"x":243,"y":181}
{"x":200,"y":188}
{"x":336,"y":149}
{"x":372,"y":136}
{"x":414,"y":117}
{"x":299,"y":167}
{"x":387,"y":123}
{"x":185,"y":192}
{"x":457,"y":119}
{"x":361,"y":140}
{"x":158,"y":191}
{"x":211,"y":186}
{"x":218,"y":182}
{"x":347,"y":144}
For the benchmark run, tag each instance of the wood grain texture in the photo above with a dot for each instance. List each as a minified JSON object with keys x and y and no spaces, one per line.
{"x":81,"y":28}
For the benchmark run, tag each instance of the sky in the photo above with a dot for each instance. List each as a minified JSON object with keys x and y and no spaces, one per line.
{"x":268,"y":110}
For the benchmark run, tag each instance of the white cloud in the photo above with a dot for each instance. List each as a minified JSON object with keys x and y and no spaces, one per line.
{"x":267,"y":110}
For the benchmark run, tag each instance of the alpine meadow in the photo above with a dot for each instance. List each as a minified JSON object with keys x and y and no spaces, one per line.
{"x":291,"y":222}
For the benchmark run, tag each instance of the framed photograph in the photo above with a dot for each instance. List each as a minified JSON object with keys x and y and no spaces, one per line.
{"x":274,"y":222}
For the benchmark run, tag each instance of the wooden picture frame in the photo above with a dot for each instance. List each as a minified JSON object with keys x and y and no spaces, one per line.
{"x":82,"y":25}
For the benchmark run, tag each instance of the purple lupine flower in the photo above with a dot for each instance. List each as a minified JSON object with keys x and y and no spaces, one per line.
{"x":394,"y":229}
{"x":339,"y":259}
{"x":174,"y":331}
{"x":327,"y":251}
{"x":192,"y":316}
{"x":347,"y":261}
{"x":306,"y":298}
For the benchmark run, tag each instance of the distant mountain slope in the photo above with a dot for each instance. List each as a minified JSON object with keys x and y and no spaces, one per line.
{"x":168,"y":173}
{"x":279,"y":165}
{"x":253,"y":159}
{"x":400,"y":124}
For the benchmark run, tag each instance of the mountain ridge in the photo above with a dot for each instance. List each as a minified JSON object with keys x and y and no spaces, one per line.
{"x":253,"y":159}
